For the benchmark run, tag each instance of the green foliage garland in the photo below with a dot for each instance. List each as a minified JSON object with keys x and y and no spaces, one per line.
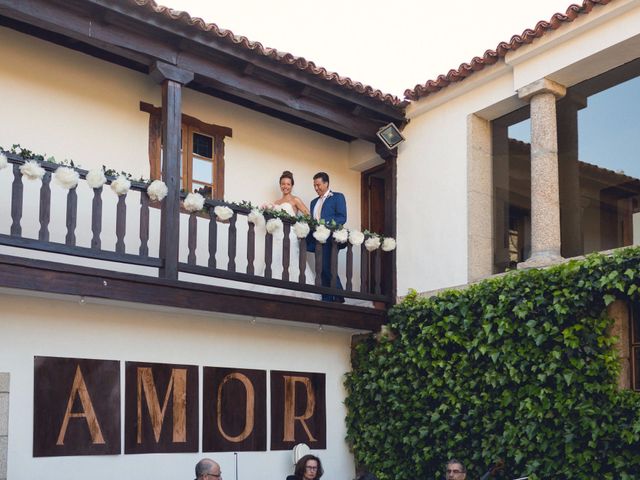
{"x":520,"y":367}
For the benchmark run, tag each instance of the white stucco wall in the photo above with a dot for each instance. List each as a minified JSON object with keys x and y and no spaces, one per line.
{"x":70,"y":105}
{"x":432,"y":185}
{"x":32,"y":326}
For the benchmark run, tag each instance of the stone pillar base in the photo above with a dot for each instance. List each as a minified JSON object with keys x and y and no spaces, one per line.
{"x":540,"y":260}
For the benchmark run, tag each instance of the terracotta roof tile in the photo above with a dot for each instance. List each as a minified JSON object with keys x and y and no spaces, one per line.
{"x":492,"y":56}
{"x":299,"y":63}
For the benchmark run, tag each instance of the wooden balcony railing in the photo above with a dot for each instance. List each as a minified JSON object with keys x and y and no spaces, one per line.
{"x":231,"y":251}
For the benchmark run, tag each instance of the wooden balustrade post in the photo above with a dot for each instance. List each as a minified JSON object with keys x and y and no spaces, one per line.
{"x":318,"y":254}
{"x":302,"y":260}
{"x":172,"y":78}
{"x":17,"y":193}
{"x":349,"y":285}
{"x":251,"y":249}
{"x":45,"y":207}
{"x":334,"y":263}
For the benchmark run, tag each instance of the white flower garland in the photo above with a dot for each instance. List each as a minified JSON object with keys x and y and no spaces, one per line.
{"x":96,"y":178}
{"x":121,"y":185}
{"x":274,"y":225}
{"x":372,"y":243}
{"x":157,"y":190}
{"x":66,"y":177}
{"x":322,"y":234}
{"x":256,"y":217}
{"x":389,"y":244}
{"x":32,"y":170}
{"x":341,"y":236}
{"x":223,"y":212}
{"x":356,"y":237}
{"x":194,"y":202}
{"x":301,"y":229}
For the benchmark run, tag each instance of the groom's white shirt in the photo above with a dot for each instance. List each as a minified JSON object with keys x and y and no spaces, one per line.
{"x":317,"y":209}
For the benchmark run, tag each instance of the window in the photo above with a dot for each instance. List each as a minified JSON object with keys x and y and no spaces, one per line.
{"x":599,"y":175}
{"x":202,"y":152}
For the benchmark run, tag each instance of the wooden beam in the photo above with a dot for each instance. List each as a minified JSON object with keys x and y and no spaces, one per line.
{"x":135,"y":45}
{"x":227,"y":79}
{"x":223,"y":45}
{"x":58,"y":278}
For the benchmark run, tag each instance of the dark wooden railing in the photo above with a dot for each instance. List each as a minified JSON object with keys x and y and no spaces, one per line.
{"x":229,"y":271}
{"x":69,"y":247}
{"x":209,"y":266}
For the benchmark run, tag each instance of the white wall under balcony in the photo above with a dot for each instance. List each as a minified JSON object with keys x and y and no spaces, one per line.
{"x":70,"y":105}
{"x":33,"y":326}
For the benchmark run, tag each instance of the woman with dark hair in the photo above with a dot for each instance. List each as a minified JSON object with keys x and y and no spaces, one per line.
{"x":289,"y":202}
{"x":308,"y":467}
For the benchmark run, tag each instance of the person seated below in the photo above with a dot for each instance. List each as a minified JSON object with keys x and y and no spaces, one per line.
{"x":308,"y":467}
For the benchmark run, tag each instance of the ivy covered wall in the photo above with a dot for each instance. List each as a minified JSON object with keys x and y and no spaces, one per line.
{"x":520,"y":367}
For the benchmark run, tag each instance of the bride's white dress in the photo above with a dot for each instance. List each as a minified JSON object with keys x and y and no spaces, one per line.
{"x":277,"y":257}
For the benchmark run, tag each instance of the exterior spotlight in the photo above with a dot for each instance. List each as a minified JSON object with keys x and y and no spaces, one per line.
{"x":390,"y":136}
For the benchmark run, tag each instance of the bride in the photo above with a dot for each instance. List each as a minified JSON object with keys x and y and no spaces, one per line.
{"x":294,"y":206}
{"x":289,"y":202}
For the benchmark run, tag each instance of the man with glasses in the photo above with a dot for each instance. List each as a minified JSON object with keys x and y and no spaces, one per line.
{"x":207,"y":469}
{"x":455,"y":470}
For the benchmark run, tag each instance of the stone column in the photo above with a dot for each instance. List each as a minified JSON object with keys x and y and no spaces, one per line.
{"x":545,"y":197}
{"x":569,"y":175}
{"x":4,"y":424}
{"x":479,"y":198}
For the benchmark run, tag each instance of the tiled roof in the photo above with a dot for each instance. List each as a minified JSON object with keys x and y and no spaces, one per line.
{"x":284,"y":58}
{"x":492,"y":56}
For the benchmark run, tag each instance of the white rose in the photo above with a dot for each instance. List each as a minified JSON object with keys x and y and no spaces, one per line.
{"x":66,"y":177}
{"x":389,"y":244}
{"x":322,"y":233}
{"x":193,"y":203}
{"x":356,"y":237}
{"x":32,"y":170}
{"x":301,"y":229}
{"x":372,"y":243}
{"x":121,"y":185}
{"x":256,"y":217}
{"x":157,"y":190}
{"x":96,"y":178}
{"x":341,"y":236}
{"x":4,"y":161}
{"x":274,"y":225}
{"x":223,"y":212}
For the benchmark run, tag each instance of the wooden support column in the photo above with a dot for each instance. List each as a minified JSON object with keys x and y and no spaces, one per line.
{"x":172,"y":79}
{"x":390,"y":157}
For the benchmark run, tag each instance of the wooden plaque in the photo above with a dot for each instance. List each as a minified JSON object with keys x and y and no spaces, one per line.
{"x":161,"y":408}
{"x":76,"y":407}
{"x":234,"y":410}
{"x":298,"y":410}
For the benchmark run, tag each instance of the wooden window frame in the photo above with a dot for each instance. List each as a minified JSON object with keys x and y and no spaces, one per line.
{"x":191,"y":125}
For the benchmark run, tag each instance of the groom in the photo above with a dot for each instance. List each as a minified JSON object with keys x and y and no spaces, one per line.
{"x":327,"y":206}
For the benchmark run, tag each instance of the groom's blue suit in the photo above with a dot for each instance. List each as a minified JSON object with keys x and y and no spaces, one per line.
{"x":334,"y":208}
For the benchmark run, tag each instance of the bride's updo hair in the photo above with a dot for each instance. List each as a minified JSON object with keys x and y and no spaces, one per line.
{"x":289,"y":175}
